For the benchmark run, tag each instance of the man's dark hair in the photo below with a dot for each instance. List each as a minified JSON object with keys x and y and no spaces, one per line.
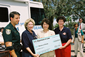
{"x":61,"y":18}
{"x":13,"y":13}
{"x":75,"y":24}
{"x":46,"y":21}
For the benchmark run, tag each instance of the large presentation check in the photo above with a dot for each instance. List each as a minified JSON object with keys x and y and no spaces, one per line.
{"x":47,"y":44}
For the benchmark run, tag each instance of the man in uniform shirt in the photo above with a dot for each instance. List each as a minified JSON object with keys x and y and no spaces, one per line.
{"x":11,"y":35}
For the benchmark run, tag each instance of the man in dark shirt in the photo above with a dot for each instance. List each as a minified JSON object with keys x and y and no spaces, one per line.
{"x":11,"y":35}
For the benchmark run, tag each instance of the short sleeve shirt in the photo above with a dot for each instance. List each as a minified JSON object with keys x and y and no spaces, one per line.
{"x":10,"y":34}
{"x":65,"y":34}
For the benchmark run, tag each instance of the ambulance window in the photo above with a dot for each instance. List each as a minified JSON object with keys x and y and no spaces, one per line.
{"x":37,"y":14}
{"x":3,"y":14}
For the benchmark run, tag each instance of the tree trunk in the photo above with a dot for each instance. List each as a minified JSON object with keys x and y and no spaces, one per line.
{"x":51,"y":23}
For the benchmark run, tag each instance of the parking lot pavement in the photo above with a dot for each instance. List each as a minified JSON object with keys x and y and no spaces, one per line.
{"x":72,"y":50}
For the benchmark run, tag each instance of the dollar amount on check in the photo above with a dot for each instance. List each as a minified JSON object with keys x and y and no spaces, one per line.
{"x":47,"y":44}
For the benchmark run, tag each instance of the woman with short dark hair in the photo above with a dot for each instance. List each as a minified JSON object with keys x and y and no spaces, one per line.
{"x":65,"y":35}
{"x":45,"y":33}
{"x":46,"y":21}
{"x":61,"y":18}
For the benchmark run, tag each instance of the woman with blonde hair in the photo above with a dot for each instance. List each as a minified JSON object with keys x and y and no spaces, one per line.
{"x":27,"y":36}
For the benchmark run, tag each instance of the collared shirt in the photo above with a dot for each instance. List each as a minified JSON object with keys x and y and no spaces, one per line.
{"x":76,"y":31}
{"x":65,"y":34}
{"x":82,"y":26}
{"x":27,"y":38}
{"x":10,"y":34}
{"x":42,"y":34}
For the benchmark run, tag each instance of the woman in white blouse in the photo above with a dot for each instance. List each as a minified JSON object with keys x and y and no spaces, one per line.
{"x":45,"y":33}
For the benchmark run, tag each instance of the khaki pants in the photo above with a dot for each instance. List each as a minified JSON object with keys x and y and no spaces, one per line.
{"x":78,"y":44}
{"x":48,"y":54}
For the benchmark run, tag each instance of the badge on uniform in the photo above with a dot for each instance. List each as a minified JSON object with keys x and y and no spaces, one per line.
{"x":64,"y":33}
{"x":8,"y":31}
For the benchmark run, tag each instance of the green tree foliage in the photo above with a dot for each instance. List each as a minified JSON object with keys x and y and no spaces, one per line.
{"x":79,"y":9}
{"x":55,"y":8}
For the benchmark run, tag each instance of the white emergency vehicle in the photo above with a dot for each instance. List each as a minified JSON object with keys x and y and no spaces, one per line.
{"x":26,"y":8}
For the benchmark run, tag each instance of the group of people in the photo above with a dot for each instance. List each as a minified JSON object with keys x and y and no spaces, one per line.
{"x":78,"y":37}
{"x":12,"y":37}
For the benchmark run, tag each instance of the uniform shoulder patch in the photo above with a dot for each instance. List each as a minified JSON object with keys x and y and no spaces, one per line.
{"x":8,"y":31}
